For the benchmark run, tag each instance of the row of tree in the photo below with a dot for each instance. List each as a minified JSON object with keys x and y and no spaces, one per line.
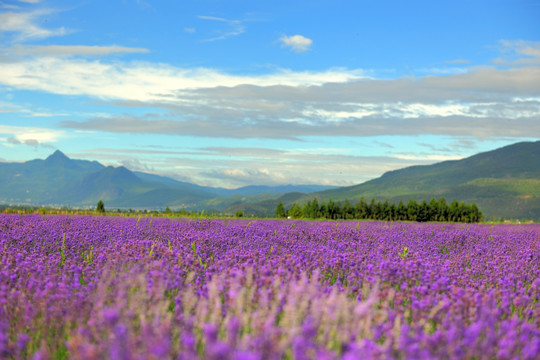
{"x":435,"y":210}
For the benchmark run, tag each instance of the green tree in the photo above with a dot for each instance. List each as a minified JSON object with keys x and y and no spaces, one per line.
{"x":387,"y":211}
{"x":442,"y":210}
{"x":372,"y":210}
{"x":100,"y":208}
{"x":324,"y":210}
{"x":295,"y":211}
{"x":476,"y":214}
{"x":280,"y":211}
{"x":314,"y":211}
{"x":376,"y":212}
{"x":360,"y":210}
{"x":401,"y":211}
{"x":306,"y":208}
{"x":412,"y":210}
{"x":332,"y":209}
{"x":347,"y":210}
{"x":454,"y":211}
{"x":423,"y":211}
{"x":433,"y":210}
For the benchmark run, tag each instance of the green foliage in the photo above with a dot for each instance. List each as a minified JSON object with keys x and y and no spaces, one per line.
{"x":295,"y":211}
{"x":403,"y":255}
{"x":88,"y":256}
{"x":435,"y":210}
{"x":63,"y":251}
{"x":100,"y":208}
{"x":280,"y":211}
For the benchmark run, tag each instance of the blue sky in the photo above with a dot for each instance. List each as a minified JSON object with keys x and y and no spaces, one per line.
{"x":231,"y":93}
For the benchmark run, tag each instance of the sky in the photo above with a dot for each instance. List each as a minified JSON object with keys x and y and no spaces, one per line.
{"x":231,"y":93}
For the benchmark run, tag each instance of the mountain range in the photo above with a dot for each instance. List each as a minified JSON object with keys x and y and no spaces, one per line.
{"x":61,"y":181}
{"x":503,"y":183}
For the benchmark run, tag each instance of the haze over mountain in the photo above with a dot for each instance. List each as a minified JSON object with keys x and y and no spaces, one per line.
{"x":59,"y":180}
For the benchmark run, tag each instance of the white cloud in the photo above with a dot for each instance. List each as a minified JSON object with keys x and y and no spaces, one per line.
{"x":418,"y":110}
{"x":234,"y":28}
{"x":143,"y":81}
{"x":214,"y":18}
{"x":458,"y":61}
{"x":71,"y":50}
{"x":12,"y":6}
{"x":519,"y":52}
{"x":26,"y":134}
{"x":287,"y":104}
{"x":26,"y":110}
{"x":240,"y":167}
{"x":24,"y":25}
{"x":283,"y":104}
{"x":297,"y":43}
{"x":361,"y":111}
{"x":295,"y":167}
{"x":427,"y":157}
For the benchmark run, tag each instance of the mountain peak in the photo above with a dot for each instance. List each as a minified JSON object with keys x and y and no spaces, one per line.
{"x":59,"y":159}
{"x":57,"y":156}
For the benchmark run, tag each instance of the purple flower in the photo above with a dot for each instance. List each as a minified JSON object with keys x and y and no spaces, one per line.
{"x":187,"y":288}
{"x":110,"y":316}
{"x":22,"y":340}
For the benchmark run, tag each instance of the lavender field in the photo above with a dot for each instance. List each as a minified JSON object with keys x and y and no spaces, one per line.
{"x":152,"y":288}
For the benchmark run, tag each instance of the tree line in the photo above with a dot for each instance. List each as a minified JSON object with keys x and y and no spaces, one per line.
{"x":434,"y":210}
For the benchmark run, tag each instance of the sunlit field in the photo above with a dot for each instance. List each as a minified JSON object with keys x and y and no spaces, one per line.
{"x":83,"y":287}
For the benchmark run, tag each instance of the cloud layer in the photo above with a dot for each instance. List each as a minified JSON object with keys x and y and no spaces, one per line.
{"x":485,"y":102}
{"x":482,"y":102}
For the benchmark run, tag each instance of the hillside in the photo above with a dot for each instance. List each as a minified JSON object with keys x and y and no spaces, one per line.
{"x":504,"y":183}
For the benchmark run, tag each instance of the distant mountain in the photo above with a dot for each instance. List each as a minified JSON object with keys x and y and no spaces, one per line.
{"x":243,"y":191}
{"x":108,"y":184}
{"x":40,"y":181}
{"x":504,"y":183}
{"x":59,"y":180}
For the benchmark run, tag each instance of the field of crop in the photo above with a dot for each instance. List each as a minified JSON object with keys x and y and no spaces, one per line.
{"x":126,"y":288}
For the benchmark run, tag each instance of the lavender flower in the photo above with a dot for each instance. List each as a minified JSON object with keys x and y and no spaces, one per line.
{"x":104,"y":287}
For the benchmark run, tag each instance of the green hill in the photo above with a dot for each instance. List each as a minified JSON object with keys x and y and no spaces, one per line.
{"x":503,"y":183}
